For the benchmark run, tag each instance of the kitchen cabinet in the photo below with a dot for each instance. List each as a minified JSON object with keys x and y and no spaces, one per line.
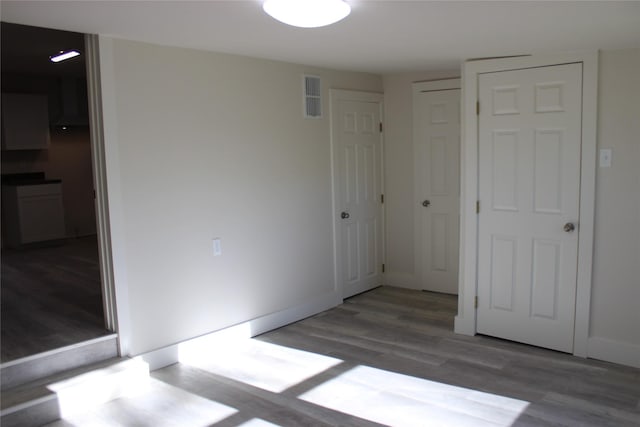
{"x":33,"y":213}
{"x":25,"y":121}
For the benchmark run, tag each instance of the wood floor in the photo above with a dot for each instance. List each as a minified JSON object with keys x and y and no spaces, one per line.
{"x":51,"y":297}
{"x":386,"y":357}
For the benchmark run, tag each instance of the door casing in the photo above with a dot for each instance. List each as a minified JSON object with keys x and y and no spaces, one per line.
{"x":99,"y":181}
{"x":465,"y":321}
{"x":103,"y":125}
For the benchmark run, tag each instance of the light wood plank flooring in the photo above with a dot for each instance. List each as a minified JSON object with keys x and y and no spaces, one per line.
{"x":51,"y":297}
{"x":386,"y":357}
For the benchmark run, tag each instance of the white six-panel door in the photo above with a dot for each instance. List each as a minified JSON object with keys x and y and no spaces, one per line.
{"x":436,"y":134}
{"x":529,"y":191}
{"x":357,"y":147}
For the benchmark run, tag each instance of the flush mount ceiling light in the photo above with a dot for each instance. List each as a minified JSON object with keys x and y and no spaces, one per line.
{"x":307,"y":13}
{"x":64,"y":55}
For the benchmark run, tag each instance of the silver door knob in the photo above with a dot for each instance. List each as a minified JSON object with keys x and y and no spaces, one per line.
{"x":569,"y":227}
{"x":426,"y":203}
{"x":344,"y":215}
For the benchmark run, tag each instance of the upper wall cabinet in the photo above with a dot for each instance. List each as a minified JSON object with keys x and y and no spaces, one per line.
{"x":25,"y":121}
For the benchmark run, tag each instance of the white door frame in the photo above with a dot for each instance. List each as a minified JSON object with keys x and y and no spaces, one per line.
{"x":99,"y":180}
{"x":335,"y":96}
{"x":417,"y":89}
{"x":100,"y":89}
{"x":465,"y":321}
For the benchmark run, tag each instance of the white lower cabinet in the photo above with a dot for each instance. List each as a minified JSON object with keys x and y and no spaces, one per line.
{"x":33,"y":213}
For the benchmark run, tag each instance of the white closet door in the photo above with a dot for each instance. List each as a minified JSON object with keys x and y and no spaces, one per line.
{"x":437,"y":179}
{"x":529,"y":186}
{"x":357,"y":145}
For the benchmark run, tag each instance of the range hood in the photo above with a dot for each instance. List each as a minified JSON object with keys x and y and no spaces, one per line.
{"x":72,"y":103}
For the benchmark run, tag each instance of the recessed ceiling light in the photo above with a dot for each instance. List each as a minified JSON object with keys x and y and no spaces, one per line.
{"x":64,"y":55}
{"x":307,"y":13}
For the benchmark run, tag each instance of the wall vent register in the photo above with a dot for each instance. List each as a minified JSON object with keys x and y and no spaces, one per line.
{"x":312,"y":97}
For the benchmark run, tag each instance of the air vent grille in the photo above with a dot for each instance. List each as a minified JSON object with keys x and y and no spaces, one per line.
{"x":312,"y":97}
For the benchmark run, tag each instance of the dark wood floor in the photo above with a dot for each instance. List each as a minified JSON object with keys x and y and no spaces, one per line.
{"x":51,"y":297}
{"x":386,"y":357}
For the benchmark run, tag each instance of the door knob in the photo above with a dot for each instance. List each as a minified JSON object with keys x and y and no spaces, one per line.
{"x":426,"y":203}
{"x":569,"y":227}
{"x":344,"y":215}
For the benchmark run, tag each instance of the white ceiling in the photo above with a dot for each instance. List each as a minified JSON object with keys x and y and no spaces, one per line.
{"x":378,"y":37}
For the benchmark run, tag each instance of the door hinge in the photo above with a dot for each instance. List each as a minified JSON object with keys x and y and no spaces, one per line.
{"x":383,"y":268}
{"x":380,"y":126}
{"x":382,"y":198}
{"x":477,"y":108}
{"x":477,"y":206}
{"x":475,"y":302}
{"x":94,"y":194}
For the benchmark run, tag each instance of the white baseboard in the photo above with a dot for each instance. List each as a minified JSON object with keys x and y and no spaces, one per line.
{"x":614,"y":351}
{"x":171,"y":354}
{"x":400,"y":280}
{"x":162,"y":357}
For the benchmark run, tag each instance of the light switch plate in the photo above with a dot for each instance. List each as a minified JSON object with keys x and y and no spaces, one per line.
{"x":605,"y":157}
{"x":217,"y":247}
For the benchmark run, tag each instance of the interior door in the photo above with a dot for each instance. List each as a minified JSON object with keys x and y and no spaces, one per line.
{"x":357,"y":148}
{"x":529,"y":184}
{"x":437,"y":192}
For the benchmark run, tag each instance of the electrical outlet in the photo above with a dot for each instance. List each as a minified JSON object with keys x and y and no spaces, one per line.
{"x":217,"y":247}
{"x":605,"y":157}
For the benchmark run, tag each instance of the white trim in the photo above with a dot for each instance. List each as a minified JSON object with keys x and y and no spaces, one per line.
{"x":171,"y":354}
{"x":465,"y":321}
{"x":587,"y":202}
{"x":435,"y":85}
{"x":336,"y":95}
{"x":112,"y":176}
{"x":418,"y":249}
{"x":614,"y":351}
{"x":100,"y":181}
{"x":166,"y":356}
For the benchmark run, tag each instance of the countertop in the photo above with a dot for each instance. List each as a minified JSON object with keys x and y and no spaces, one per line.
{"x":29,"y":178}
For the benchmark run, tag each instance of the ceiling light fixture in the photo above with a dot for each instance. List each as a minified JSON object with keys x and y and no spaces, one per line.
{"x":64,"y":55}
{"x":307,"y":13}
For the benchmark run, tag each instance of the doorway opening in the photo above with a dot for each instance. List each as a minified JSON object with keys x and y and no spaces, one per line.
{"x":51,"y":289}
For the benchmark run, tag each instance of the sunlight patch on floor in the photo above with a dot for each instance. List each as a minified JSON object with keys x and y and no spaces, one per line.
{"x":268,"y":366}
{"x":373,"y":394}
{"x":258,"y":422}
{"x":85,"y":391}
{"x":395,"y":399}
{"x":159,"y":405}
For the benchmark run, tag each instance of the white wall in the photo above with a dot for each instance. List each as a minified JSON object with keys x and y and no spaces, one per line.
{"x":615,"y":314}
{"x":212,"y":145}
{"x":399,"y":198}
{"x":204,"y":145}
